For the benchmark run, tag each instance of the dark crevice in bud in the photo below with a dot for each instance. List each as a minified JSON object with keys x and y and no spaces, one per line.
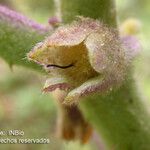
{"x":58,"y":66}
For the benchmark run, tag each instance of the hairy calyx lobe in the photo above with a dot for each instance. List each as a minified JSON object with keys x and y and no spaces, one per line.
{"x":96,"y":49}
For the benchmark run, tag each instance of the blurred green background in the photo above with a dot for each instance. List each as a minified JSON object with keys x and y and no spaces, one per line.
{"x":22,"y":104}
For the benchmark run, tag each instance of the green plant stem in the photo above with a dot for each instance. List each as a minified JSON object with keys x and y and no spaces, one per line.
{"x":97,"y":9}
{"x":18,"y":35}
{"x":120,"y":116}
{"x":16,"y":43}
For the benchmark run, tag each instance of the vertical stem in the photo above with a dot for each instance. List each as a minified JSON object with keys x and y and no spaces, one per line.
{"x":120,"y":117}
{"x":97,"y":9}
{"x":58,"y":8}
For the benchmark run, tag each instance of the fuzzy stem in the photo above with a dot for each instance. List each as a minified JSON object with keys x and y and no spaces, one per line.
{"x":120,"y":117}
{"x":18,"y":35}
{"x":97,"y":9}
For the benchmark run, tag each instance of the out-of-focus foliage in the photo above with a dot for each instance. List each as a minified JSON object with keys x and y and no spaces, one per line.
{"x":139,"y":10}
{"x":40,"y":10}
